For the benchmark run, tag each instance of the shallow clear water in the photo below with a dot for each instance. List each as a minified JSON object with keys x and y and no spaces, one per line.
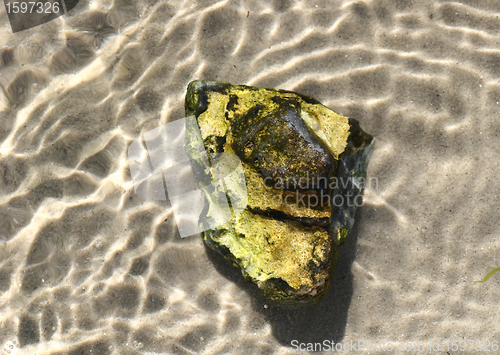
{"x":87,"y":265}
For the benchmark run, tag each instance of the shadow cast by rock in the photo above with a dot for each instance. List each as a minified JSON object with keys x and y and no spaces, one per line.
{"x":325,"y":320}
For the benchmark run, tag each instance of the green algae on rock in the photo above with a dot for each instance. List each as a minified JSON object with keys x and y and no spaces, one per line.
{"x":294,"y":151}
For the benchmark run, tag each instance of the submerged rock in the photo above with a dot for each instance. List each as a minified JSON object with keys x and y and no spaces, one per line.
{"x":304,"y":165}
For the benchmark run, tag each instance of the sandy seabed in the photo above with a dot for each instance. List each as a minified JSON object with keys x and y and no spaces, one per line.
{"x":86,"y":266}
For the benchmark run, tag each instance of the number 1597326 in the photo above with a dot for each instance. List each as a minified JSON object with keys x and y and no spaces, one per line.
{"x":477,"y":345}
{"x":32,"y":7}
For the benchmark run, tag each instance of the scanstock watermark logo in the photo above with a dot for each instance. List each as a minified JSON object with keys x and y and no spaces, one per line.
{"x":28,"y":14}
{"x":162,"y":165}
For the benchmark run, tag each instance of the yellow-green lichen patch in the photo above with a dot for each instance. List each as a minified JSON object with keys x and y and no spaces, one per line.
{"x":342,"y":235}
{"x":263,"y":195}
{"x":269,"y":248}
{"x":331,"y":128}
{"x":248,"y":98}
{"x":213,"y":122}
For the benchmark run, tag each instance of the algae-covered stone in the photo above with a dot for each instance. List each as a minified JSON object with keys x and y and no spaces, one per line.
{"x":303,"y":165}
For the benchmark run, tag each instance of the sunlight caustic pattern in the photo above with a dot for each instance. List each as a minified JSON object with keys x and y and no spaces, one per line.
{"x":88,"y":264}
